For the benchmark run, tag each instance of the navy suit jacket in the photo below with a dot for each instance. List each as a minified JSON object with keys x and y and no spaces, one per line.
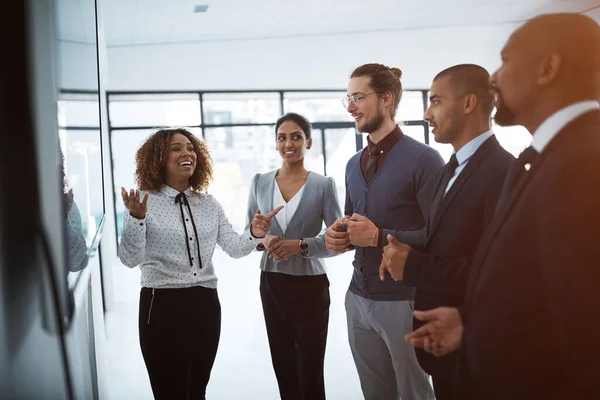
{"x":440,"y":271}
{"x":533,"y":309}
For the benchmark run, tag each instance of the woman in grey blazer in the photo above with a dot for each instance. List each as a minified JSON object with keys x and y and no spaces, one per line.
{"x":294,"y":287}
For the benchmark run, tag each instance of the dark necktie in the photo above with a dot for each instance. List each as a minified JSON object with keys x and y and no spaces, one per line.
{"x":449,"y":170}
{"x":372,"y":163}
{"x":515,"y":172}
{"x":181,"y":198}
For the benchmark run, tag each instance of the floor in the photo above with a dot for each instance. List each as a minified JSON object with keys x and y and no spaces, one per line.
{"x":243,"y":367}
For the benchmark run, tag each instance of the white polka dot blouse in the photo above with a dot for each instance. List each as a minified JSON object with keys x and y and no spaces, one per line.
{"x":165,"y":244}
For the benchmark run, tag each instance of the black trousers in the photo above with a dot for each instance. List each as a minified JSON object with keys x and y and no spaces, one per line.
{"x":179,"y":335}
{"x":444,"y":373}
{"x":443,"y":387}
{"x":296,"y":310}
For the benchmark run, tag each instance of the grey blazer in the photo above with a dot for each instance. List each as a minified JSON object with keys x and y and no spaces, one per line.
{"x":318,"y":203}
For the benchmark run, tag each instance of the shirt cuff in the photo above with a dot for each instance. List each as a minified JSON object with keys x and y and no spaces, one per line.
{"x":134,"y":228}
{"x":383,"y":236}
{"x":250,"y":237}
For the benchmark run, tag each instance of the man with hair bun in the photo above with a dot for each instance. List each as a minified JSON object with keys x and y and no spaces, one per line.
{"x":389,"y":186}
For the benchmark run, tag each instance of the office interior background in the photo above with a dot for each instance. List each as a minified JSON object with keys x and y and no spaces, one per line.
{"x":114,"y":71}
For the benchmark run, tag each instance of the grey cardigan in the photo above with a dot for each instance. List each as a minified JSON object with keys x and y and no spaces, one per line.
{"x":319,"y":202}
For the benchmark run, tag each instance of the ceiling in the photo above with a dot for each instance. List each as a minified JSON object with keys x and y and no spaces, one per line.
{"x":144,"y":22}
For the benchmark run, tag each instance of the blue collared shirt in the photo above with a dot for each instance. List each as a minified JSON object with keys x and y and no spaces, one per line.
{"x":465,"y":153}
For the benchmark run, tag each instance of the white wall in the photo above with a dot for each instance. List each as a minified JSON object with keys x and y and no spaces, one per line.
{"x":77,"y":67}
{"x":323,"y":62}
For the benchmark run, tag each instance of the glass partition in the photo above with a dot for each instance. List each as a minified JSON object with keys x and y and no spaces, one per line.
{"x":78,"y":108}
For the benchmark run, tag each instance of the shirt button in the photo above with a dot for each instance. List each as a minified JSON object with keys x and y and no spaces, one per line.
{"x":141,"y":224}
{"x":187,"y":219}
{"x":194,"y":274}
{"x":190,"y":238}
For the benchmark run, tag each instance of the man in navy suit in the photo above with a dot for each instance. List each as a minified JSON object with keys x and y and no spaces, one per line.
{"x":467,"y":189}
{"x":529,"y":328}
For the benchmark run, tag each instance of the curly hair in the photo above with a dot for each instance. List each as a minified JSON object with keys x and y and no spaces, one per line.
{"x":150,"y":159}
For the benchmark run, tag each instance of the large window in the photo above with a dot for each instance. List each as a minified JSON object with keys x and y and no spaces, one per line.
{"x":241,"y":108}
{"x":340,"y":145}
{"x":416,"y":132}
{"x":78,"y":110}
{"x":317,"y":106}
{"x":513,"y":138}
{"x":238,"y":128}
{"x":239,"y":153}
{"x":411,"y":106}
{"x":155,"y":110}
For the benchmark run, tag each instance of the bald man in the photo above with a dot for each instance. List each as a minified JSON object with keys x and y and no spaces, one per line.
{"x":530,"y":328}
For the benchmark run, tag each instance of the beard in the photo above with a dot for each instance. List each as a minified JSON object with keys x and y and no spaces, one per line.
{"x":373,"y":124}
{"x":504,"y":116}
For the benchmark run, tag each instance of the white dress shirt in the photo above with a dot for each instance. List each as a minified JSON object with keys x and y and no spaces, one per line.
{"x":465,"y":153}
{"x":157,"y":243}
{"x":551,"y":126}
{"x":289,"y":209}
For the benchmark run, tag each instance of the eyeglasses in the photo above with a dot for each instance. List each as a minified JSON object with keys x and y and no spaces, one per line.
{"x":354,"y":99}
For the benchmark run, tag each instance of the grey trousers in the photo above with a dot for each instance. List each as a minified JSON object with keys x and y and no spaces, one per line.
{"x":387,"y":366}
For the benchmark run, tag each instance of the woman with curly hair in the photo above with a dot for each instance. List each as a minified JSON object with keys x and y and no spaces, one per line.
{"x":171,"y":234}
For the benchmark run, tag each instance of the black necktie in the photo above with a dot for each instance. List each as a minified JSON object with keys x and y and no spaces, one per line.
{"x":372,"y":163}
{"x":181,"y":198}
{"x":449,"y":170}
{"x":515,"y":172}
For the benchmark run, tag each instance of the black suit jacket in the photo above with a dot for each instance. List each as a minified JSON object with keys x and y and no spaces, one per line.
{"x":440,"y":270}
{"x":532,"y":315}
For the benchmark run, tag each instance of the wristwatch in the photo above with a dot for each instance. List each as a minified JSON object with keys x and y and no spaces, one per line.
{"x":303,"y":247}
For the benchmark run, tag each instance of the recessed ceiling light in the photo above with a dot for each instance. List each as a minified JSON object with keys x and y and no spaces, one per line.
{"x":200,"y":8}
